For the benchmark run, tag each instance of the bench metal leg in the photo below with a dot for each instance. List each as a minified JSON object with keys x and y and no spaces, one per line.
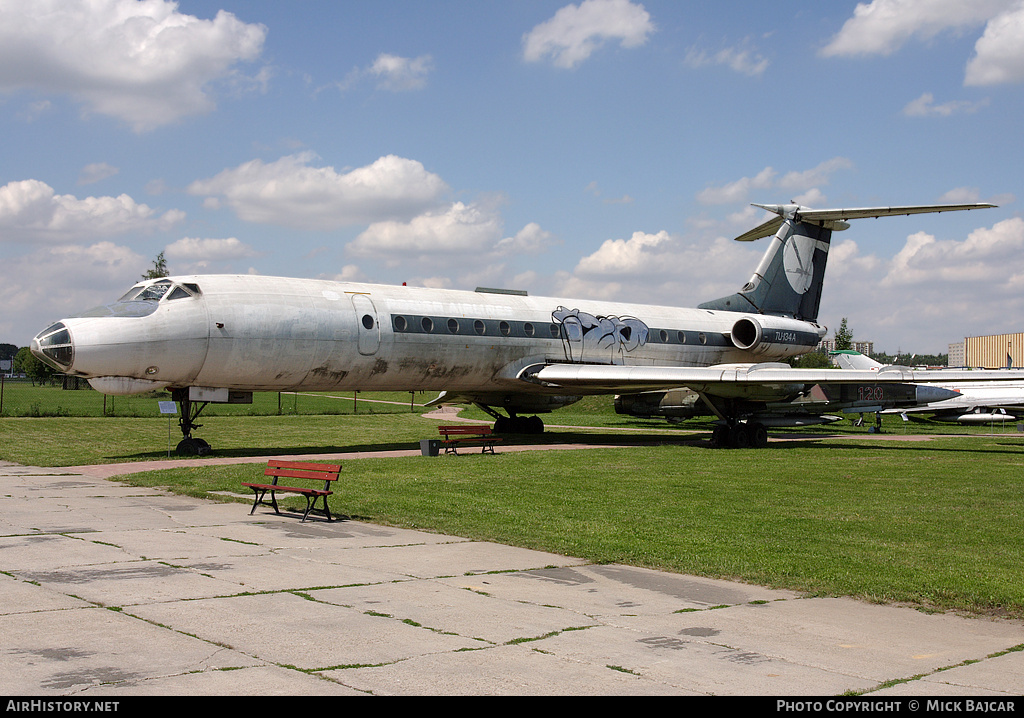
{"x":259,"y":500}
{"x":311,"y":505}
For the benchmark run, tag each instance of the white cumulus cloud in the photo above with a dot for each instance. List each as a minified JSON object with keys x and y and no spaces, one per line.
{"x":141,"y":62}
{"x":742,"y":60}
{"x":577,"y":31}
{"x":401,"y":73}
{"x":290,"y":192}
{"x":196,"y":250}
{"x":999,"y":53}
{"x":459,"y":228}
{"x":882,"y":27}
{"x":30,"y":209}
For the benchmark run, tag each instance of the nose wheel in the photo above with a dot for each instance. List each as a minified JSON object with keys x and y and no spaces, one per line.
{"x":190,"y":411}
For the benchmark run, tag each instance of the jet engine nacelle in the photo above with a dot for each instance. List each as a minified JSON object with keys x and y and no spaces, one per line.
{"x":775,"y":337}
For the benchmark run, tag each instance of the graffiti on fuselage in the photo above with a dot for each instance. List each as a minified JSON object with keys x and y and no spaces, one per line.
{"x":599,"y":339}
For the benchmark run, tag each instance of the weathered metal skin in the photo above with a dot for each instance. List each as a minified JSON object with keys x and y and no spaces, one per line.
{"x":259,"y":333}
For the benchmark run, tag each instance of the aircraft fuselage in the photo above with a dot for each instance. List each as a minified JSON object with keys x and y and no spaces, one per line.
{"x":257,"y":333}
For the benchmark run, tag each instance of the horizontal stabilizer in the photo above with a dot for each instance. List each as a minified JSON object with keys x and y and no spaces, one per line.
{"x":806,"y":214}
{"x":765,"y":230}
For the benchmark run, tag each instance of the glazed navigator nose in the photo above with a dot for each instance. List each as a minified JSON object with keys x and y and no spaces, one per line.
{"x":53,"y":346}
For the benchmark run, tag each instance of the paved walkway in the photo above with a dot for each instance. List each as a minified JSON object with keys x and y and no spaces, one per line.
{"x":111,"y":590}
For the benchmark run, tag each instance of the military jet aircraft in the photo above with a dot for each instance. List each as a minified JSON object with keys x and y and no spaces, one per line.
{"x":976,"y":402}
{"x":815,"y":404}
{"x":218,"y":338}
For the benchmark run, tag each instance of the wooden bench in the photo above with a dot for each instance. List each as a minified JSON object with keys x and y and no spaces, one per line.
{"x":296,"y":470}
{"x":464,"y":434}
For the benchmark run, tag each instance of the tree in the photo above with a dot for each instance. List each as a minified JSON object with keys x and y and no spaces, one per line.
{"x":159,"y":268}
{"x":25,"y":361}
{"x":813,"y":360}
{"x":844,"y":337}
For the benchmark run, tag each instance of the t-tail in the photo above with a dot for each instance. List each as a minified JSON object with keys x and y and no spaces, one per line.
{"x":789,"y":280}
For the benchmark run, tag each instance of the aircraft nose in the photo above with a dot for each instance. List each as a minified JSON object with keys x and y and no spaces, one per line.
{"x":53,"y":346}
{"x":929,"y":394}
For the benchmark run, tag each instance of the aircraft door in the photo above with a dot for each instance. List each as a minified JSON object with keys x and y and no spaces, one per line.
{"x":367,"y":324}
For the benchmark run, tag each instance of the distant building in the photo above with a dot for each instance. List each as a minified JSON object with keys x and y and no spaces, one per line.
{"x":957,"y":356}
{"x":994,"y":351}
{"x":865,"y":348}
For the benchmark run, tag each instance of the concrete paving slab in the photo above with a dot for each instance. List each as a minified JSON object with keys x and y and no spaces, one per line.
{"x":128,"y":583}
{"x":172,"y":544}
{"x":454,"y":558}
{"x":605,"y":591}
{"x":111,"y":590}
{"x":277,"y":533}
{"x":19,"y":596}
{"x":62,"y":652}
{"x":456,"y":611}
{"x":290,"y":630}
{"x":282,"y":572}
{"x":508,"y":670}
{"x":47,"y":552}
{"x":864,"y":641}
{"x":256,"y":681}
{"x":673,"y":659}
{"x":996,"y":676}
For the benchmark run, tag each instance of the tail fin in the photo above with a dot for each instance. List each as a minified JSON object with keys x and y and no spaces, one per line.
{"x":848,"y":359}
{"x":789,"y":280}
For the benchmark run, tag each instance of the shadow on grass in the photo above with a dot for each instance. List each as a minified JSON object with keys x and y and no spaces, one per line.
{"x":690,"y":435}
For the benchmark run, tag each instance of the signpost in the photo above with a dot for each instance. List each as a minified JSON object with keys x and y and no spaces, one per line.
{"x":169,"y":408}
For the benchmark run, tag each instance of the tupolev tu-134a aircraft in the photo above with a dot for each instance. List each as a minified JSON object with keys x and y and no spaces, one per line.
{"x":218,"y":338}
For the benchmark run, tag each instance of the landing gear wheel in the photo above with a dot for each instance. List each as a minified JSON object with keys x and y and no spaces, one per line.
{"x":741,"y":436}
{"x":720,"y":436}
{"x":193,"y":447}
{"x":534,"y":425}
{"x":519,"y":425}
{"x":759,"y":437}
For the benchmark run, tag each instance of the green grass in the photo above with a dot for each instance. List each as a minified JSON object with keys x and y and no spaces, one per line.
{"x":931,"y":523}
{"x":23,"y":399}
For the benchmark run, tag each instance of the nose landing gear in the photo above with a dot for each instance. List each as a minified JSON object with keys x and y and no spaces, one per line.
{"x":190,"y":411}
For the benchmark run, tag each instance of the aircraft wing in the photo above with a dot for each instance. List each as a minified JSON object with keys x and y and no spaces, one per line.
{"x":723,"y":379}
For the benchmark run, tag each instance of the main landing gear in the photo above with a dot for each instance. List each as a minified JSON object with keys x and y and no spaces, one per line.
{"x":740,"y":435}
{"x":513,"y":423}
{"x":190,"y":411}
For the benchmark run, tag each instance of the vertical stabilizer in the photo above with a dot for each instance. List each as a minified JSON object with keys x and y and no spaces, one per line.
{"x":789,"y":280}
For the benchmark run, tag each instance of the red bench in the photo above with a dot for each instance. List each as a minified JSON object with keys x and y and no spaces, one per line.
{"x":296,"y":470}
{"x":463,"y":434}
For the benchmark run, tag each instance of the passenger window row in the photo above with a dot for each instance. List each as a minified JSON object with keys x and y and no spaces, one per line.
{"x":420,"y":324}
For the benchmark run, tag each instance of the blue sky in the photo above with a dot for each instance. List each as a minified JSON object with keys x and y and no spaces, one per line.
{"x":592,"y":149}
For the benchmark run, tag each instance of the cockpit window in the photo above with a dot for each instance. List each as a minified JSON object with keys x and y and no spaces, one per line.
{"x":143,"y":299}
{"x":55,"y":343}
{"x":158,"y":290}
{"x":154,"y":291}
{"x":131,"y":294}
